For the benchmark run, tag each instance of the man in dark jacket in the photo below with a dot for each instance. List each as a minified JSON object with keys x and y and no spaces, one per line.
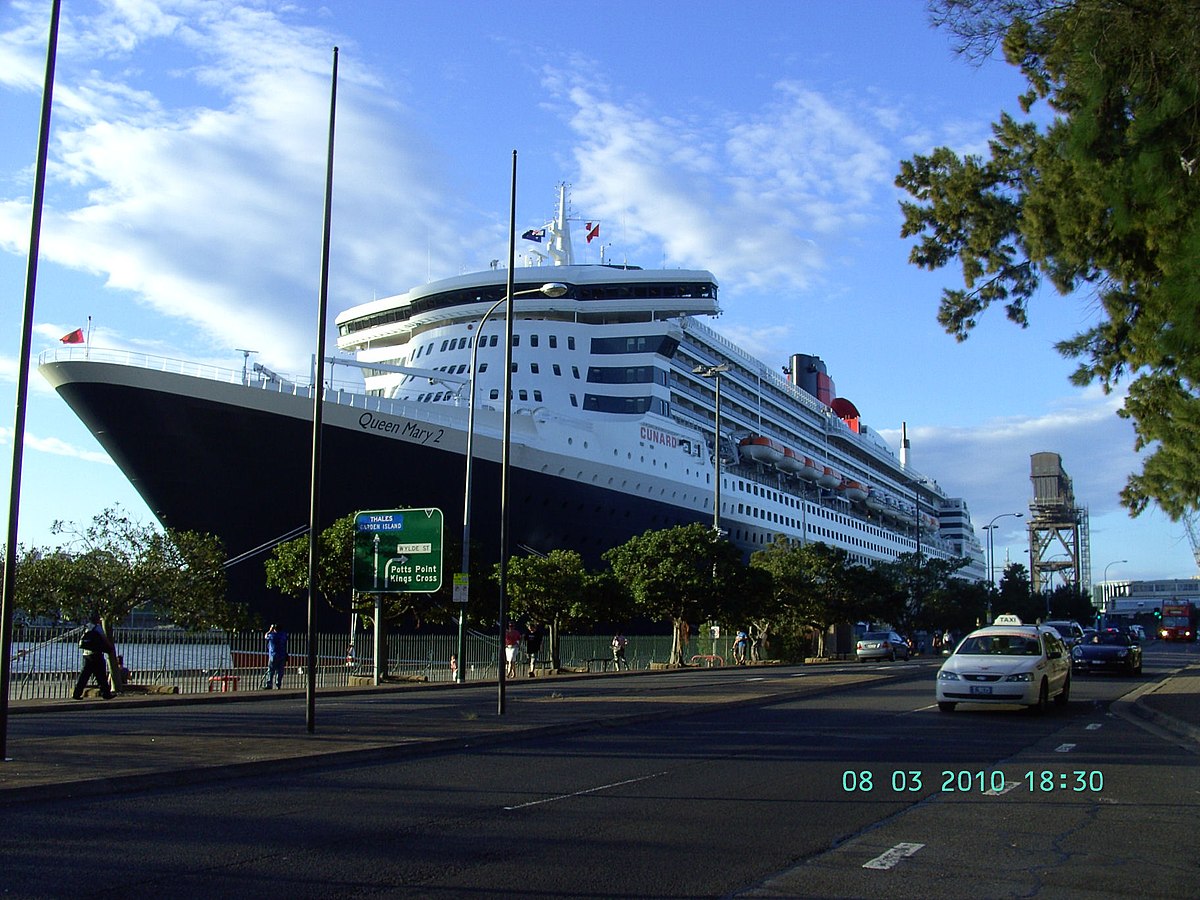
{"x":94,"y":644}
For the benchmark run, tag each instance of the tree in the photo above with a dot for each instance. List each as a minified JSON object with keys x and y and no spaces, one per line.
{"x":549,"y":590}
{"x":117,"y":564}
{"x":815,"y":586}
{"x":1104,"y":199}
{"x":287,"y":571}
{"x":681,"y":574}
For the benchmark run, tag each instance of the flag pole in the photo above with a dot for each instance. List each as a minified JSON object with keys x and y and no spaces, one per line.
{"x":8,"y":592}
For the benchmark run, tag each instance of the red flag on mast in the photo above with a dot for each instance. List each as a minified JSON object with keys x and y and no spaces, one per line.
{"x":75,"y":337}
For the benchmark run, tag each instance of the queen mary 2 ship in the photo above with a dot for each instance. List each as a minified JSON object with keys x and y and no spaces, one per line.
{"x":615,"y":388}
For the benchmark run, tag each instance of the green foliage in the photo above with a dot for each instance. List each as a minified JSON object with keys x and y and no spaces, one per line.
{"x":1103,"y":199}
{"x":547,"y":589}
{"x":287,"y":571}
{"x":116,"y":565}
{"x":681,"y":574}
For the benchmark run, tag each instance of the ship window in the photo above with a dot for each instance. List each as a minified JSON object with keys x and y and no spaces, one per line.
{"x":570,"y":342}
{"x":522,"y":394}
{"x":444,"y":345}
{"x":575,"y":371}
{"x":537,"y":396}
{"x":514,"y":367}
{"x":494,"y":340}
{"x":553,"y":341}
{"x":533,"y":340}
{"x":461,"y":369}
{"x":482,"y":368}
{"x":516,"y":340}
{"x":533,"y":367}
{"x":494,"y":394}
{"x":574,"y":401}
{"x":557,"y":369}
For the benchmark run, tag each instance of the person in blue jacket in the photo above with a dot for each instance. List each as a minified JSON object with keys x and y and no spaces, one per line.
{"x":276,"y":656}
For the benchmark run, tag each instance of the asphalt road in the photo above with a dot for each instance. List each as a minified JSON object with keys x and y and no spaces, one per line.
{"x":859,"y":791}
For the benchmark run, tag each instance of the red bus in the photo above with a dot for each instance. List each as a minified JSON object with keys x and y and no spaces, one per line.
{"x":1178,"y":621}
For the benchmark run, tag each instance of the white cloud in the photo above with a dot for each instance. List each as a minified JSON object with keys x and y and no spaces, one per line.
{"x":804,"y":175}
{"x":56,"y":447}
{"x":989,"y":463}
{"x":213,"y":214}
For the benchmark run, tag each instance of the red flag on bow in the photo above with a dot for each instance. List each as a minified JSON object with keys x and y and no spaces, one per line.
{"x":75,"y":337}
{"x":593,"y":231}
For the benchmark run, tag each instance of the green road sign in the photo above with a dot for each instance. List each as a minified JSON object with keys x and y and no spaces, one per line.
{"x":398,"y":551}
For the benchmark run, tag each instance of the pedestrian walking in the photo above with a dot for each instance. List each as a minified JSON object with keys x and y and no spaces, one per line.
{"x":512,"y":643}
{"x":533,"y":645}
{"x":619,"y":643}
{"x":93,"y":645}
{"x":277,"y":657}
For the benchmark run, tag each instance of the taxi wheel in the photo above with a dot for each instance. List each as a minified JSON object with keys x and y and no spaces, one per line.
{"x":946,"y":706}
{"x":1062,"y":698}
{"x":1043,"y":701}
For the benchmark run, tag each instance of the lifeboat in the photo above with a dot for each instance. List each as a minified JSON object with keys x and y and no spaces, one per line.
{"x":791,"y":463}
{"x":929,"y":523}
{"x":877,"y":501}
{"x":854,"y":491}
{"x":761,"y":449}
{"x":810,"y":471}
{"x":828,"y":478}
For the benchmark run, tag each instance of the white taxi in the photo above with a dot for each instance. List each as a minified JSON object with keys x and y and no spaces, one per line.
{"x":1007,"y":662}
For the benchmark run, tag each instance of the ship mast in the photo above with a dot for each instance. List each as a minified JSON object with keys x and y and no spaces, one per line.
{"x":560,"y":250}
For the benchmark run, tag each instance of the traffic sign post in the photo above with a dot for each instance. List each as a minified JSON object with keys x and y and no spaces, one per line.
{"x":398,"y":551}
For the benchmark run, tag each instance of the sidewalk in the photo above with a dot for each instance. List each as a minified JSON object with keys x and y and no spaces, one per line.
{"x":1172,"y":704}
{"x":62,"y":749}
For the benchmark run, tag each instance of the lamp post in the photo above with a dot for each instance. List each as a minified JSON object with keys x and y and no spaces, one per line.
{"x":715,"y":373}
{"x":1105,"y":581}
{"x":990,"y":528}
{"x":550,"y":289}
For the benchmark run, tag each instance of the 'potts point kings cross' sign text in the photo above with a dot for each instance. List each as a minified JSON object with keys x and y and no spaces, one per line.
{"x":398,"y":551}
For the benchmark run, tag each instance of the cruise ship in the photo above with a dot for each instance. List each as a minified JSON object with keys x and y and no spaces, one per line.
{"x":625,"y":406}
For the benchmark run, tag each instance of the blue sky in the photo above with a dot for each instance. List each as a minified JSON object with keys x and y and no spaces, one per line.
{"x":759,"y":140}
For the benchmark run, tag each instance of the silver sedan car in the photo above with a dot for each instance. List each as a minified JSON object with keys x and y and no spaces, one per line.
{"x":881,"y":645}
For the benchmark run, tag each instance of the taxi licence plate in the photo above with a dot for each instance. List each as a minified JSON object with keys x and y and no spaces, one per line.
{"x":981,"y":689}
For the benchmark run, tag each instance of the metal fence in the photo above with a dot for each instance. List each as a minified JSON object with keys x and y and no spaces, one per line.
{"x":46,"y":660}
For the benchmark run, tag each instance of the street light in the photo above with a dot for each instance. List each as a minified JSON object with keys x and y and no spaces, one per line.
{"x":990,"y":528}
{"x":1113,"y":563}
{"x":550,"y":289}
{"x":715,"y":373}
{"x":1107,"y":594}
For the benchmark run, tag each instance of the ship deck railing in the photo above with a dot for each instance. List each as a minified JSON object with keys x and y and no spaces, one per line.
{"x":344,"y":392}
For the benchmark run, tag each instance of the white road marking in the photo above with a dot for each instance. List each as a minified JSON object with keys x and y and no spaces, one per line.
{"x":1064,"y":748}
{"x":593,"y":790}
{"x":893,"y":856}
{"x":1095,"y":725}
{"x":1008,"y":786}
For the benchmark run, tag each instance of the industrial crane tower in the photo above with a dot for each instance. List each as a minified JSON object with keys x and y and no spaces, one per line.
{"x":1059,"y":534}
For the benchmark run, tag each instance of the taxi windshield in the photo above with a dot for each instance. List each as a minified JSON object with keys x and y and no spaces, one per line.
{"x":1000,"y":645}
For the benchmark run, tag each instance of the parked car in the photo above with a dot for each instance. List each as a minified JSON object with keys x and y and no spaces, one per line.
{"x":1070,"y":632}
{"x":881,"y":645}
{"x":1006,"y":663}
{"x":1138,"y":632}
{"x":1108,"y":651}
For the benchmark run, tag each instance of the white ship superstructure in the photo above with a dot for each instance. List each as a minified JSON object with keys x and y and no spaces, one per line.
{"x":605,"y":384}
